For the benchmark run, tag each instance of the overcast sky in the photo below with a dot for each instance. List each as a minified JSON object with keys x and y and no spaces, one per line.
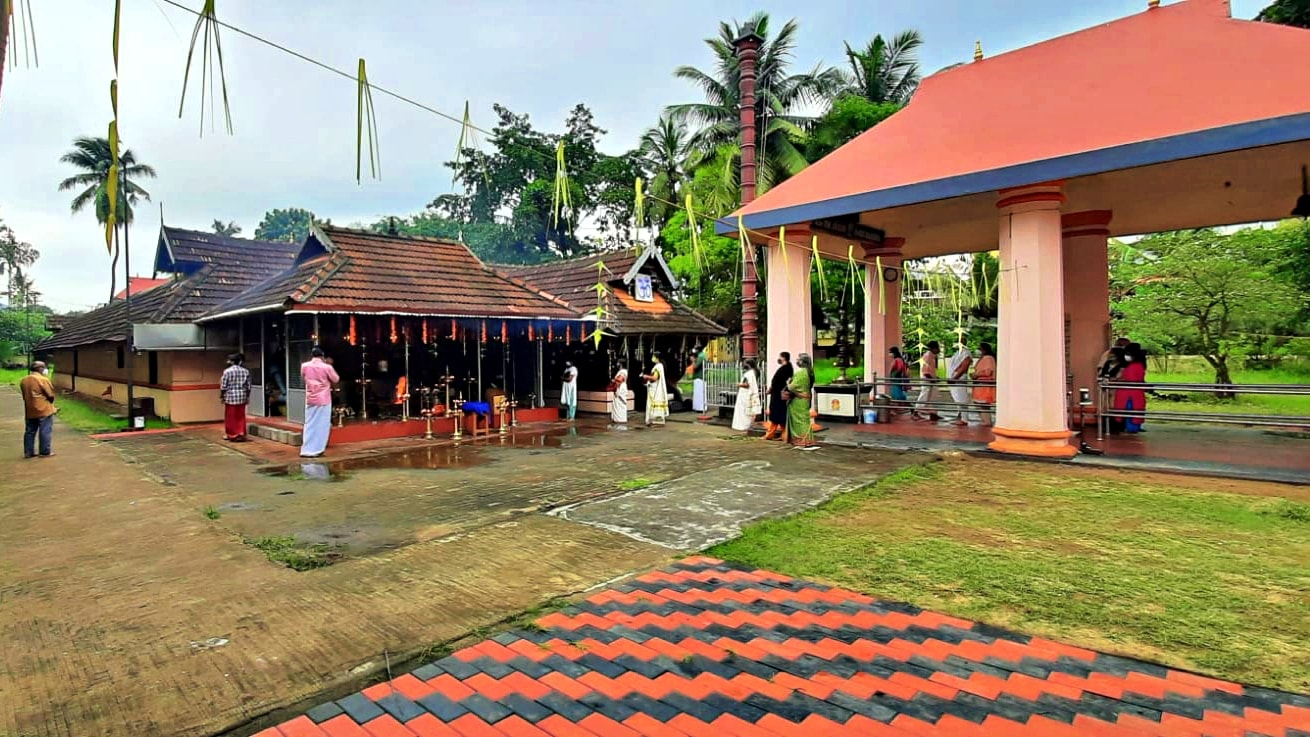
{"x":294,"y":142}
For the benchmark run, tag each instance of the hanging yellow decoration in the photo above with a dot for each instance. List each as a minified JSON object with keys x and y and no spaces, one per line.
{"x":641,"y":215}
{"x":16,"y":26}
{"x":366,"y":119}
{"x":111,"y":183}
{"x":782,"y":246}
{"x":818,"y":263}
{"x":856,"y":282}
{"x":563,"y":201}
{"x":882,"y":286}
{"x":694,"y":228}
{"x":211,"y":49}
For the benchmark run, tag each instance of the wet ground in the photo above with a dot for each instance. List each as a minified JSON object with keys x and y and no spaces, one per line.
{"x":682,"y":486}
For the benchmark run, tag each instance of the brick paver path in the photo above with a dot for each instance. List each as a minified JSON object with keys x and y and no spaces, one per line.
{"x":704,"y":648}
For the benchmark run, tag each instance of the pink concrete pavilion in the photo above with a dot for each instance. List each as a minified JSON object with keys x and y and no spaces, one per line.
{"x":1177,"y":117}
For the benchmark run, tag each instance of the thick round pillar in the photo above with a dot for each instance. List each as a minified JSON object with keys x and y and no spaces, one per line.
{"x":882,"y":310}
{"x":1031,"y":405}
{"x":1086,"y":293}
{"x":790,"y":325}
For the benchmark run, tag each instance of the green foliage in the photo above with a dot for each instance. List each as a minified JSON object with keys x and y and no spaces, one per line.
{"x":19,"y":330}
{"x":781,"y":98}
{"x":287,"y":551}
{"x":1287,"y":12}
{"x":941,"y":296}
{"x":491,"y":242}
{"x":290,"y":225}
{"x":229,"y":229}
{"x":1200,"y":292}
{"x":517,"y":177}
{"x":710,"y":284}
{"x":886,"y":71}
{"x":16,"y":258}
{"x":849,"y":116}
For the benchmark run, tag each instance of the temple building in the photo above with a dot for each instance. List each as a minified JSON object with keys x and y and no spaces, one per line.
{"x":1044,"y":153}
{"x":409,"y":323}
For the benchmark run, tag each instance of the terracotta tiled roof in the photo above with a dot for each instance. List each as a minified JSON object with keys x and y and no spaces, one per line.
{"x":574,"y":281}
{"x":373,"y":272}
{"x":109,"y":323}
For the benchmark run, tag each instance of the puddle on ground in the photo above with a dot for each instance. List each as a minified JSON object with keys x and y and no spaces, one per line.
{"x":468,"y":454}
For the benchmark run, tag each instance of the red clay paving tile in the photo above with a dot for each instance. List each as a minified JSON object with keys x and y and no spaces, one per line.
{"x":558,"y":726}
{"x":603,"y":725}
{"x":521,"y":683}
{"x":446,"y":685}
{"x":693,"y":727}
{"x":300,"y":727}
{"x":565,"y":685}
{"x":495,"y":650}
{"x":386,"y":726}
{"x":270,"y":732}
{"x":488,"y":686}
{"x":601,"y":684}
{"x":342,"y":726}
{"x":429,"y":726}
{"x":411,"y":687}
{"x":470,"y":725}
{"x":379,"y":691}
{"x":530,"y":650}
{"x":517,"y":726}
{"x":650,"y":727}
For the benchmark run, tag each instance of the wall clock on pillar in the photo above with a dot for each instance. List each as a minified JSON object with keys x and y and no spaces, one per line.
{"x":890,"y":273}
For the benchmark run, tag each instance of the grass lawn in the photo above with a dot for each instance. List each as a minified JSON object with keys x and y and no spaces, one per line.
{"x":80,"y":414}
{"x":1208,"y":575}
{"x":1253,"y":404}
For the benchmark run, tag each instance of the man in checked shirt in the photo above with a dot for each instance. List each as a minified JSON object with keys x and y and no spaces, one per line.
{"x":235,"y":391}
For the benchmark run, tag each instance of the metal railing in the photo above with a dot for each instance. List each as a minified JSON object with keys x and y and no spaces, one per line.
{"x":940,"y":400}
{"x":721,"y":384}
{"x":1108,"y":413}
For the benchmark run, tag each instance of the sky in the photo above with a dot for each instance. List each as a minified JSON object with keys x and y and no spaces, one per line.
{"x":294,"y":142}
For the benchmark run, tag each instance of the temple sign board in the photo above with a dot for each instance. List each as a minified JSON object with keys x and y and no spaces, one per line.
{"x":643,"y":290}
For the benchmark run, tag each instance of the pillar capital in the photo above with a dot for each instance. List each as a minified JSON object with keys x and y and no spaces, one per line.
{"x":1087,"y":222}
{"x":889,"y":248}
{"x":1043,"y":196}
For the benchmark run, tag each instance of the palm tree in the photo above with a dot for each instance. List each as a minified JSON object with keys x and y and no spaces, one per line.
{"x":779,"y":98}
{"x":93,"y":158}
{"x":229,"y":229}
{"x":15,"y":258}
{"x":666,"y":148}
{"x":886,"y":71}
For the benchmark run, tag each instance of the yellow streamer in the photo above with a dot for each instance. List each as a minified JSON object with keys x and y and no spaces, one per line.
{"x":562,"y":198}
{"x":694,"y":228}
{"x":882,"y":287}
{"x":818,"y":263}
{"x":782,"y":246}
{"x":366,"y":119}
{"x":641,"y":215}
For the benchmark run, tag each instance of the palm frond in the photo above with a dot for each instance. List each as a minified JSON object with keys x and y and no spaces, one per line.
{"x":211,"y":51}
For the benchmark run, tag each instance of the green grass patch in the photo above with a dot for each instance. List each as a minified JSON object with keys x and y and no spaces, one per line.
{"x":287,"y":551}
{"x":1152,"y":567}
{"x":634,"y":484}
{"x":81,"y":414}
{"x":1183,"y":371}
{"x":211,"y":512}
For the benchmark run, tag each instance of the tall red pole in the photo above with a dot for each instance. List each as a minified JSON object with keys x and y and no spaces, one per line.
{"x":748,"y":52}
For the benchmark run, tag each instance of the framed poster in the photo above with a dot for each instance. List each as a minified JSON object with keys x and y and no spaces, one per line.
{"x":644,"y":291}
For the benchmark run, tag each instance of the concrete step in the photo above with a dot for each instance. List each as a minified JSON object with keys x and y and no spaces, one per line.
{"x":276,"y":434}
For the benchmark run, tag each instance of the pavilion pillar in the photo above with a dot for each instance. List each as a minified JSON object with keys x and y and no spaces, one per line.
{"x":1031,"y":408}
{"x":882,"y":310}
{"x":790,"y":324}
{"x":1086,"y":294}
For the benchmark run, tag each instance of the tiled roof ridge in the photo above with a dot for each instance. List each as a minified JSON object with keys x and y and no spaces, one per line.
{"x":329,"y":229}
{"x":523,"y":284}
{"x":180,"y":292}
{"x":573,"y":260}
{"x":325,"y":272}
{"x":216,"y":237}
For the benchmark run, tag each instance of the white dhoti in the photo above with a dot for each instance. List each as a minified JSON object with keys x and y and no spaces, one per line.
{"x":619,"y":405}
{"x":963,"y":396}
{"x":699,"y":402}
{"x":318,"y":425}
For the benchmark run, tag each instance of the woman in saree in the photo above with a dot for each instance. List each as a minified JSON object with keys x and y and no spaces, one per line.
{"x":619,"y":401}
{"x":897,"y":374}
{"x":1132,"y":400}
{"x":984,"y":375}
{"x":799,"y":389}
{"x":748,"y":399}
{"x":657,"y":393}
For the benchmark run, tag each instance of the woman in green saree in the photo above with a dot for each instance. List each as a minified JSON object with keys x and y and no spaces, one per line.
{"x":799,"y":429}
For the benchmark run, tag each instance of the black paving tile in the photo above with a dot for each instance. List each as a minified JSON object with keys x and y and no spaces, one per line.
{"x":442,"y":707}
{"x":324,"y":712}
{"x":490,"y":711}
{"x":360,"y":708}
{"x":401,"y":707}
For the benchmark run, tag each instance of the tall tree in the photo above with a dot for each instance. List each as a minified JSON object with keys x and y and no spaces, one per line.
{"x":91,"y":155}
{"x":290,"y":225}
{"x":849,"y":116}
{"x":16,"y":256}
{"x":1287,"y":12}
{"x":666,"y":147}
{"x":779,"y":101}
{"x":229,"y":229}
{"x":1201,"y":292}
{"x":886,"y":71}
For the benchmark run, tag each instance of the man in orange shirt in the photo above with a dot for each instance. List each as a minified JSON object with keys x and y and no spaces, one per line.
{"x":39,"y":407}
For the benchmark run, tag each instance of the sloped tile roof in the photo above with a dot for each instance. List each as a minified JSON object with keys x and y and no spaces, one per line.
{"x":574,"y":281}
{"x":109,"y":323}
{"x":140,"y":285}
{"x":389,"y":273}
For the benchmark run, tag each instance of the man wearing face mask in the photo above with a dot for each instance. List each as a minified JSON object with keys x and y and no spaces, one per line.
{"x":39,"y":407}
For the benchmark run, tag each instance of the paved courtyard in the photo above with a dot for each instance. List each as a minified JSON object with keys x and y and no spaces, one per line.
{"x":136,"y":598}
{"x":706,"y":649}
